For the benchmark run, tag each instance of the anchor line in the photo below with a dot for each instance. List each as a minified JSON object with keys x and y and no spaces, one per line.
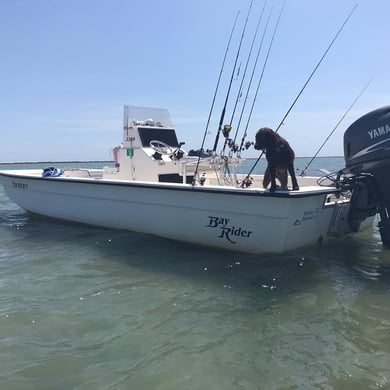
{"x":231,"y":81}
{"x":337,"y":125}
{"x":247,"y":178}
{"x":215,"y":95}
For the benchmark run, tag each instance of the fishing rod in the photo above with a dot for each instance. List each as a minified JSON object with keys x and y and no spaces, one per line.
{"x":247,"y":63}
{"x":231,"y":80}
{"x":215,"y":95}
{"x":219,"y":79}
{"x":234,"y":148}
{"x":337,"y":125}
{"x":251,"y":79}
{"x":315,"y":69}
{"x":247,"y":178}
{"x":228,"y":127}
{"x":261,"y":77}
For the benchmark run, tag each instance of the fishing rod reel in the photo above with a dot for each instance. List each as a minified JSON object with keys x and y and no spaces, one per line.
{"x":247,"y":145}
{"x":247,"y":182}
{"x":226,"y":131}
{"x":234,"y":148}
{"x":228,"y":141}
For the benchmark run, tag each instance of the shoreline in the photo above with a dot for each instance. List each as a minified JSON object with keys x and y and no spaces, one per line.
{"x":55,"y":161}
{"x":110,"y":161}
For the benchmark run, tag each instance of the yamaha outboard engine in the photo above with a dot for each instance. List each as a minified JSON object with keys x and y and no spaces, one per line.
{"x":367,"y":161}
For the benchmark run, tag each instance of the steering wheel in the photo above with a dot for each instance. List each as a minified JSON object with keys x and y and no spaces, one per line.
{"x":161,"y":147}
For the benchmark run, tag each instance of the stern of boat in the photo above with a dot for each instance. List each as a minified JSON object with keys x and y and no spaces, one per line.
{"x":367,"y":170}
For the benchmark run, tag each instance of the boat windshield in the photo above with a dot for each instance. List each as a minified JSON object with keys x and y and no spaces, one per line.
{"x":146,"y":115}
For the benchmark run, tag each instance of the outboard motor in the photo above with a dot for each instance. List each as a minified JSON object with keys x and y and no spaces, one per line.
{"x":367,"y":161}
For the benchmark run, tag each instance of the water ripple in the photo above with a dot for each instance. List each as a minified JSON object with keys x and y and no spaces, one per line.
{"x":83,"y":307}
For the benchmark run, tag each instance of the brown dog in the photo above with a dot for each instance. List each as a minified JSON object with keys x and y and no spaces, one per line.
{"x":280,"y":174}
{"x":280,"y":157}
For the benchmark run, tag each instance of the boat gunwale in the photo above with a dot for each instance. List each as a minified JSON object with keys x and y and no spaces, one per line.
{"x":302,"y":193}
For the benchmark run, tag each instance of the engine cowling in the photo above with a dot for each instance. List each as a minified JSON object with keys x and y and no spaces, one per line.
{"x":367,"y":141}
{"x":367,"y":158}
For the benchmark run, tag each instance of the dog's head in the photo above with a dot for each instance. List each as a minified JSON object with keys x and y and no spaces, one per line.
{"x":265,"y":138}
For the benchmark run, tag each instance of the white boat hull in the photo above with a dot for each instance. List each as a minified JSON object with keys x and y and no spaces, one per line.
{"x":246,"y":220}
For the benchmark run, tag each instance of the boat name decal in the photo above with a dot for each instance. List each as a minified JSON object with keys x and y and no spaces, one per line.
{"x":22,"y":186}
{"x":227,"y":231}
{"x":378,"y":132}
{"x":307,"y":216}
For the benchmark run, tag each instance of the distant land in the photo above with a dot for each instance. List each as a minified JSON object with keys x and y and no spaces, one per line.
{"x":55,"y":161}
{"x":110,"y":161}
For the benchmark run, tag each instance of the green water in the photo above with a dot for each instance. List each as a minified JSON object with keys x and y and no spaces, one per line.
{"x":90,"y":308}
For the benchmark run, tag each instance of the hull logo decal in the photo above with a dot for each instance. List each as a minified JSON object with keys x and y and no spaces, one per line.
{"x":22,"y":186}
{"x":226,"y":230}
{"x":308,"y":215}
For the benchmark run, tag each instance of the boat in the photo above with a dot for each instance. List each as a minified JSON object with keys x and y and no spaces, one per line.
{"x":201,"y":197}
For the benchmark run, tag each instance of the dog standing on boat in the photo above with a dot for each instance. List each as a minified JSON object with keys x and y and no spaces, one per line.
{"x":280,"y":158}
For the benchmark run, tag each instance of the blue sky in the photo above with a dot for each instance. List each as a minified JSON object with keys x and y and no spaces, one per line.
{"x":68,"y":67}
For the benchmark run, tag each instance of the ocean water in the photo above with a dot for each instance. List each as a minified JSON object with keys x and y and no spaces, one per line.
{"x":91,"y":308}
